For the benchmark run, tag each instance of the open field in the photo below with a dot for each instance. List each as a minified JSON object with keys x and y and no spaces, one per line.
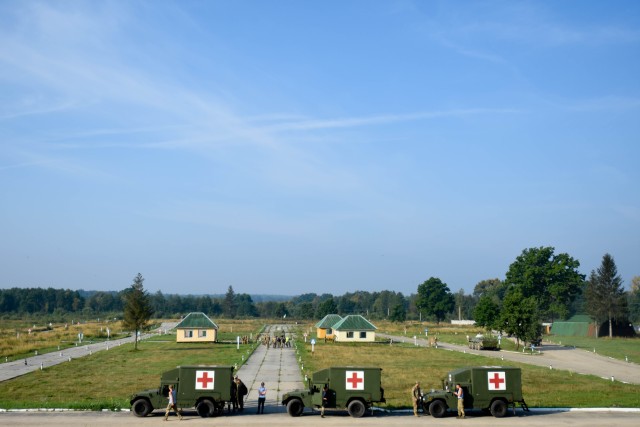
{"x":20,"y":339}
{"x":404,"y":364}
{"x":627,"y":349}
{"x":106,"y":379}
{"x":445,"y":332}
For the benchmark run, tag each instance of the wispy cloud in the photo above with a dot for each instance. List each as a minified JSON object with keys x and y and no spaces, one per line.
{"x":376,"y":120}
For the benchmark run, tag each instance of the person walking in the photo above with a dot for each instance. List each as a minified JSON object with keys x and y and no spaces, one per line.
{"x":460,"y":393}
{"x":262,"y":396}
{"x":416,"y":395}
{"x":173,"y":404}
{"x":325,"y":399}
{"x":234,"y":395}
{"x":241,"y":393}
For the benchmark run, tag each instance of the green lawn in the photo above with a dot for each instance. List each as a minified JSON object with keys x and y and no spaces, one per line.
{"x":106,"y":379}
{"x":403,"y":364}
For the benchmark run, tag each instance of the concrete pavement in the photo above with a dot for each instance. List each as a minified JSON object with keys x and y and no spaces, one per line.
{"x":277,"y":367}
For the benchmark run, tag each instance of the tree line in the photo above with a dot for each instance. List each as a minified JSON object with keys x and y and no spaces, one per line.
{"x":540,"y":286}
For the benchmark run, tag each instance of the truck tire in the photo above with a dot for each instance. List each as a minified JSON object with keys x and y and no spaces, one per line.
{"x":218,"y":409}
{"x":295,"y":407}
{"x":141,"y":408}
{"x":205,"y":408}
{"x":498,"y":408}
{"x":437,"y":409}
{"x":356,"y":408}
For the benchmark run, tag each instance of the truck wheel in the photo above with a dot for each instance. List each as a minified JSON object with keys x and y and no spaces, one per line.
{"x":438,"y":408}
{"x":141,"y":408}
{"x":205,"y":408}
{"x":356,"y":408}
{"x":498,"y":408}
{"x":295,"y":407}
{"x":218,"y":409}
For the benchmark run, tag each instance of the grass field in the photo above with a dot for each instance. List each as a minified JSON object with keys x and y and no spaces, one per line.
{"x":627,"y":349}
{"x":106,"y":379}
{"x":403,"y":364}
{"x":19,"y":339}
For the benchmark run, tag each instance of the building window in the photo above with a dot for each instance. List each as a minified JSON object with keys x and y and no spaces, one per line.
{"x":188,"y":334}
{"x":350,"y":334}
{"x":363,"y":335}
{"x":202,"y":333}
{"x":329,"y":331}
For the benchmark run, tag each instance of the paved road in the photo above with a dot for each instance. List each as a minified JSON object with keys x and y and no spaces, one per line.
{"x":554,"y":356}
{"x":535,"y":419}
{"x":17,"y":368}
{"x":277,"y":367}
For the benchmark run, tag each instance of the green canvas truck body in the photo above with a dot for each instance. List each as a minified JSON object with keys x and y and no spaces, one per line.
{"x":493,"y":388}
{"x":352,"y":388}
{"x":205,"y":388}
{"x":481,"y":342}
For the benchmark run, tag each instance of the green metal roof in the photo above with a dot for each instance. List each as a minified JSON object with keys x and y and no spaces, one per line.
{"x":354,"y":322}
{"x":580,"y":318}
{"x":196,"y":320}
{"x":328,"y":321}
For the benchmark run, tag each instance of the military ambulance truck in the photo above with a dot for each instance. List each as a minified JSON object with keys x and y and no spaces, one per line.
{"x":492,"y":388}
{"x":205,"y":388}
{"x":351,"y":388}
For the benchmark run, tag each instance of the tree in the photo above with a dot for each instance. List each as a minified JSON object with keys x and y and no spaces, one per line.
{"x":230,"y":305}
{"x":398,"y":313}
{"x":244,"y":306}
{"x":464,"y":305}
{"x":327,"y":306}
{"x":304,"y":310}
{"x":552,"y":280}
{"x":634,"y":300}
{"x":605,"y":295}
{"x":487,"y":313}
{"x":519,"y":316}
{"x":137,"y":307}
{"x":495,"y":288}
{"x":435,"y":298}
{"x":281,"y":310}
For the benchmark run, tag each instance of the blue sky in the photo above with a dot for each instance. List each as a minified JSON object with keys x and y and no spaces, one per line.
{"x":289,"y":147}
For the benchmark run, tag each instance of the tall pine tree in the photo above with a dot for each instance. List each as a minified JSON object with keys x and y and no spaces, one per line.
{"x":137,"y":307}
{"x":604,"y":294}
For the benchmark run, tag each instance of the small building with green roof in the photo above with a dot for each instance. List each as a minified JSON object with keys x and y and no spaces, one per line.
{"x":324,"y":328}
{"x":196,"y":327}
{"x":354,"y":328}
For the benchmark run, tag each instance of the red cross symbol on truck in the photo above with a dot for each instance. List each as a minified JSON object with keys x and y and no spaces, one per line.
{"x":355,"y":380}
{"x":204,"y":380}
{"x":497,"y":381}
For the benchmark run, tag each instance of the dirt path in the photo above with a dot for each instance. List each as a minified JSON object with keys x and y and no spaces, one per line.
{"x":554,"y":357}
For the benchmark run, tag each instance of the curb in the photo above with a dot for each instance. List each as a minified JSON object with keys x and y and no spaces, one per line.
{"x":375,"y":408}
